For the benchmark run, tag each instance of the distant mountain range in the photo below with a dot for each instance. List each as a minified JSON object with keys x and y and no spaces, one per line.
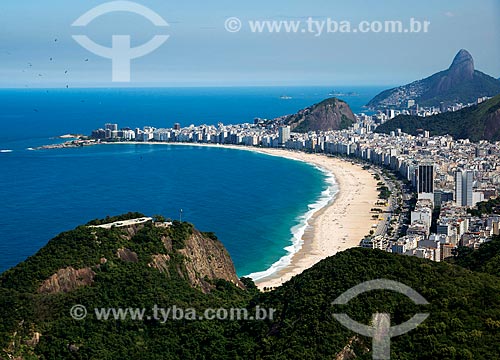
{"x":330,"y":114}
{"x":479,"y":122}
{"x":461,"y":83}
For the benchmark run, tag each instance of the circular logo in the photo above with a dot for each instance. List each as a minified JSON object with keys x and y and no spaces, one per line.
{"x":233,"y":24}
{"x":78,"y":312}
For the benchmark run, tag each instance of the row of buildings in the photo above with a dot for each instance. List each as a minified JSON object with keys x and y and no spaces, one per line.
{"x":412,"y":108}
{"x":448,"y":175}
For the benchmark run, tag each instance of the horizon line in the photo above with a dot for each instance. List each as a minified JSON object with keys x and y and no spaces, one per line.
{"x":193,"y":86}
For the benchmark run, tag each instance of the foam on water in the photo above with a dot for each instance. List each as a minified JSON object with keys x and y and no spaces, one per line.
{"x":298,"y":231}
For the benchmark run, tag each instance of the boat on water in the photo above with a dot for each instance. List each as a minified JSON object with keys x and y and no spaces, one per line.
{"x":5,"y":151}
{"x":284,"y":97}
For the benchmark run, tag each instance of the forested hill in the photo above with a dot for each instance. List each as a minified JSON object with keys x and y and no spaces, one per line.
{"x":330,"y":114}
{"x":479,"y":122}
{"x":142,"y":266}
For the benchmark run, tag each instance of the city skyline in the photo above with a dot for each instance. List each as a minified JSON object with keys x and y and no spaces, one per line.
{"x":432,"y":166}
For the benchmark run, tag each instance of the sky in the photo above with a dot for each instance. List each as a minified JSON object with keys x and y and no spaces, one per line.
{"x":37,"y":48}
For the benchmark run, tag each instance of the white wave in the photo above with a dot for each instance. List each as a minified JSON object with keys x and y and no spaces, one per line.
{"x":299,"y":230}
{"x":6,"y":151}
{"x":30,"y":149}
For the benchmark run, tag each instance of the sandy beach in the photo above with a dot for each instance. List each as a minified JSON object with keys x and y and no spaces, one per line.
{"x":338,"y":226}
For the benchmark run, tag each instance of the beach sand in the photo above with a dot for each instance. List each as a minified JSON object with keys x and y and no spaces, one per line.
{"x":338,"y":226}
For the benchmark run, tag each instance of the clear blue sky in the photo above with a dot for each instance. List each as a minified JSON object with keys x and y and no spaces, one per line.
{"x":200,"y":52}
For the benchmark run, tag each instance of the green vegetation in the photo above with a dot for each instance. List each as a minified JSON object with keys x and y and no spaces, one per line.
{"x":486,"y":207}
{"x":345,"y":122}
{"x":116,"y":283}
{"x":476,"y":123}
{"x":384,"y":192}
{"x":159,"y":218}
{"x":464,"y":307}
{"x":466,"y":92}
{"x":486,"y":259}
{"x":457,"y":321}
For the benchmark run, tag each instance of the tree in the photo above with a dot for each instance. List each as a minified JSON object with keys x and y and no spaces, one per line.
{"x":159,"y":218}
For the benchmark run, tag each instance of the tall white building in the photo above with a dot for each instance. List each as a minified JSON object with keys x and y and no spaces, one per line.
{"x":458,"y":187}
{"x":283,"y":135}
{"x":463,"y":187}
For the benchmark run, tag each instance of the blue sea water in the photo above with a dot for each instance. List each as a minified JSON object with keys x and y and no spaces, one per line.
{"x":255,"y":203}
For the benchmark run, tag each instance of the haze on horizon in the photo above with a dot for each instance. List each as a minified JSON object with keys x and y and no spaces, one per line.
{"x":37,"y":49}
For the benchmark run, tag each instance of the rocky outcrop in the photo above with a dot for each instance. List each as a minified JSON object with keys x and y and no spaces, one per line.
{"x":207,"y":259}
{"x":160,"y":262}
{"x":35,"y":339}
{"x":492,"y":126}
{"x":66,"y":280}
{"x":330,"y":114}
{"x":462,"y":68}
{"x":200,"y":259}
{"x":348,"y":352}
{"x":127,"y":255}
{"x":130,"y":231}
{"x":203,"y":260}
{"x":460,"y":83}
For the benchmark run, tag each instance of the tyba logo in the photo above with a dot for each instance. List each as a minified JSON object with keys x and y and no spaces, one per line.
{"x":120,"y":53}
{"x":381,"y":330}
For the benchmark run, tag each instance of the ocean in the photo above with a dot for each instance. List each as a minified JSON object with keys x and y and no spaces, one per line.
{"x":258,"y":205}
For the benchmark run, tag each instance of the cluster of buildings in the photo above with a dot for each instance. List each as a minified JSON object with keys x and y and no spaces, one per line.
{"x":111,"y":131}
{"x":454,"y":227}
{"x":448,"y":176}
{"x":412,"y":108}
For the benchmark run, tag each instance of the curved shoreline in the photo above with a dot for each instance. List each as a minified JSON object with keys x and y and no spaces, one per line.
{"x":336,"y":227}
{"x":339,"y":225}
{"x":298,"y":231}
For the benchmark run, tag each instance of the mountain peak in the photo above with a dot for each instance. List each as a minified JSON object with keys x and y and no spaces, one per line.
{"x":463,"y":63}
{"x":460,"y":83}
